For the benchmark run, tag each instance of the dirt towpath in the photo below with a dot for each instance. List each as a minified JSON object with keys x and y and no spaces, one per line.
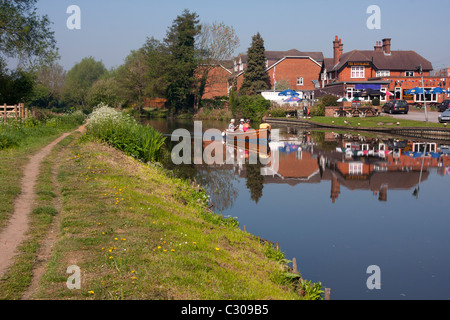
{"x":14,"y":233}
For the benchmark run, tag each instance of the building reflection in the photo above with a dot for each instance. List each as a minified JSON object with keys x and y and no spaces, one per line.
{"x":355,"y":162}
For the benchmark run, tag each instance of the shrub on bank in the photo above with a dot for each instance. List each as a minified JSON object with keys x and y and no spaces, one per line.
{"x":123,"y":133}
{"x":15,"y":132}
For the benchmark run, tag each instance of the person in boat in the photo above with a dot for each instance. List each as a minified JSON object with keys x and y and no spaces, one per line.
{"x":241,"y":125}
{"x":246,"y":125}
{"x":265,"y":125}
{"x":231,"y":126}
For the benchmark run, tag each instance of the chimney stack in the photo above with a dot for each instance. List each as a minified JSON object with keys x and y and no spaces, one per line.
{"x":338,"y":49}
{"x":378,"y":47}
{"x":387,"y":46}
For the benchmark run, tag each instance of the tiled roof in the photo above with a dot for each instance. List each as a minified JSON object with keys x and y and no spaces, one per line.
{"x":274,"y":56}
{"x":397,"y":60}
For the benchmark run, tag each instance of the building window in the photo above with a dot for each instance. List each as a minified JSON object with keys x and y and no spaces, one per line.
{"x":355,"y":168}
{"x":409,"y":74}
{"x":383,"y":96}
{"x":299,"y":81}
{"x":428,"y":97}
{"x":349,"y":93}
{"x":358,"y":72}
{"x":383,"y":73}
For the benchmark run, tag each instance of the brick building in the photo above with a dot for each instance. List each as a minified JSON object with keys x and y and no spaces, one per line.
{"x":383,"y":69}
{"x":295,"y":69}
{"x":217,"y":81}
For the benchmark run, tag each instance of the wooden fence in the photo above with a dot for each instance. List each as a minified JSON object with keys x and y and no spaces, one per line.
{"x":17,"y":111}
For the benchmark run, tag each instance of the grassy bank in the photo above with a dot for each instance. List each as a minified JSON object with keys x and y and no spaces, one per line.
{"x":372,"y":122}
{"x":138,"y":234}
{"x":20,"y":140}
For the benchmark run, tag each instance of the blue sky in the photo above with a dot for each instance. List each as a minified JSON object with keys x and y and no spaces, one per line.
{"x":110,"y":29}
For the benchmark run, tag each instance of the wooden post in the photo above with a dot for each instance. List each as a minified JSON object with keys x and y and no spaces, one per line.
{"x":294,"y":265}
{"x":245,"y":229}
{"x":277,"y":246}
{"x":16,"y":111}
{"x":327,"y":293}
{"x":4,"y":112}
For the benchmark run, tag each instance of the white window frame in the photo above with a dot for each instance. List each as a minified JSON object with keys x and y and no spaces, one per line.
{"x":355,"y":168}
{"x":299,"y":81}
{"x":418,"y":97}
{"x":383,"y":98}
{"x":410,"y":72}
{"x":358,"y":72}
{"x":349,"y":93}
{"x":383,"y":73}
{"x":398,"y":89}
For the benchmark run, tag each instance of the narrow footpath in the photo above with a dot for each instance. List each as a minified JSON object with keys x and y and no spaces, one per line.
{"x":14,"y":233}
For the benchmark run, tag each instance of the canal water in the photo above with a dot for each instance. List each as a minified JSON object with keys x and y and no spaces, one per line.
{"x":364,"y":214}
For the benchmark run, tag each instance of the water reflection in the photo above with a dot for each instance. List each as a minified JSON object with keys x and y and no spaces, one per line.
{"x":341,"y":202}
{"x":354,"y":161}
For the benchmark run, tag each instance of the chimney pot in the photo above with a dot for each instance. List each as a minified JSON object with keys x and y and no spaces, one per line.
{"x":387,"y":45}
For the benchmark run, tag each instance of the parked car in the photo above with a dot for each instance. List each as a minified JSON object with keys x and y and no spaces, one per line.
{"x":444,"y":116}
{"x":396,"y":106}
{"x":443,"y":106}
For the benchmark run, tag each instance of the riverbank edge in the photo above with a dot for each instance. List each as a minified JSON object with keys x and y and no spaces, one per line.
{"x":441,"y":133}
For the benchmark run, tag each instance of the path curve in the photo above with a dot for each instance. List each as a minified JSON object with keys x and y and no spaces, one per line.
{"x":14,"y":233}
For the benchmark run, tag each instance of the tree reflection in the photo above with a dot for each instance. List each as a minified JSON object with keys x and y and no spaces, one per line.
{"x":218,"y":180}
{"x":255,"y":181}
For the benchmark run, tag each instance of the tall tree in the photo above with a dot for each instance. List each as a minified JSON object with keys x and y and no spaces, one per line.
{"x":47,"y":91}
{"x":255,"y":77}
{"x":80,"y":79}
{"x":157,"y":61}
{"x":180,"y":41}
{"x":24,"y":35}
{"x":216,"y":44}
{"x":132,"y":78}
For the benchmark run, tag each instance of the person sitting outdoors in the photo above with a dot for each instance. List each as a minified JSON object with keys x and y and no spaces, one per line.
{"x":246,"y":125}
{"x":231,"y":126}
{"x":241,"y":125}
{"x":265,"y":125}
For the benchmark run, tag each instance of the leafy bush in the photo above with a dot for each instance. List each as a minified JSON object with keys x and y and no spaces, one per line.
{"x":249,"y":106}
{"x":277,"y":112}
{"x":123,"y":133}
{"x":15,"y":132}
{"x":328,"y":100}
{"x":318,"y":110}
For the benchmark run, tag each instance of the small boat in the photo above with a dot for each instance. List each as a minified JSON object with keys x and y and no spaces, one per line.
{"x":250,"y":135}
{"x":257,"y":140}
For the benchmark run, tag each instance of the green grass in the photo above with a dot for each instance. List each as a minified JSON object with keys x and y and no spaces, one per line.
{"x":373,"y":122}
{"x":138,"y":234}
{"x":18,"y":278}
{"x":23,"y":140}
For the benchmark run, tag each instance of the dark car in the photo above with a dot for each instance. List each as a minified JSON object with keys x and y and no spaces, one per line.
{"x":444,"y":116}
{"x":443,"y":106}
{"x":396,"y":106}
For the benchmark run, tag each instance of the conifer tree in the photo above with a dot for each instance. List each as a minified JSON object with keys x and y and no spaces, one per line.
{"x":180,"y":41}
{"x":255,"y":77}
